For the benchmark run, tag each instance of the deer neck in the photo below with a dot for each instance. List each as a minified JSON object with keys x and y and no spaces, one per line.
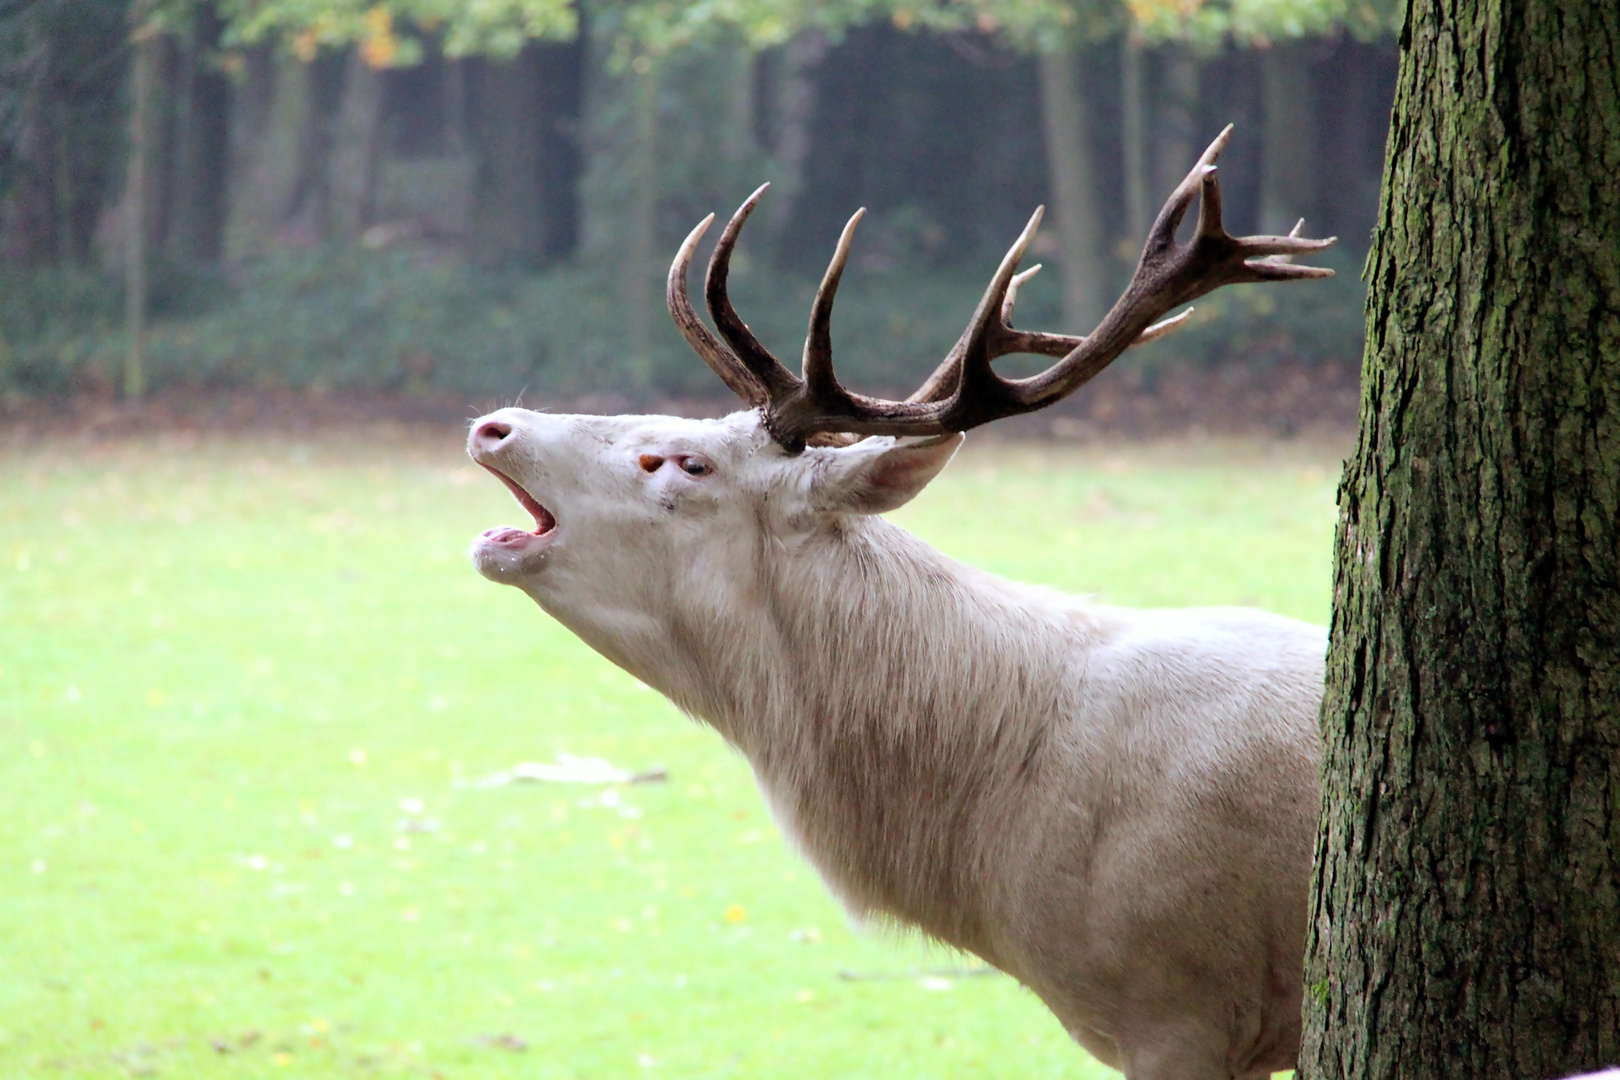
{"x":884,"y":694}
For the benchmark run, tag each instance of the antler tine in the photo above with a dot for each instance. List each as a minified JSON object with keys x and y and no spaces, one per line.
{"x":819,"y":379}
{"x":1169,"y":274}
{"x":1162,"y":328}
{"x":964,"y":391}
{"x":979,"y":342}
{"x":773,"y":378}
{"x":1277,"y":251}
{"x":1209,"y":205}
{"x":1011,"y":299}
{"x":1003,"y":339}
{"x":1042,"y":344}
{"x":720,"y":359}
{"x":1162,"y":234}
{"x":989,"y":316}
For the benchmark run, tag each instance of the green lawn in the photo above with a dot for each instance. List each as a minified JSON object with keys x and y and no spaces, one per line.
{"x":247,"y":687}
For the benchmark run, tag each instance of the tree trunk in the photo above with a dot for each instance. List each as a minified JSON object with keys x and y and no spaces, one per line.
{"x":562,"y":94}
{"x":641,"y":268}
{"x":1178,"y":118}
{"x":356,"y":145}
{"x":252,"y":96}
{"x":278,"y":152}
{"x":1288,"y":175}
{"x":507,"y":216}
{"x":137,"y":200}
{"x":167,"y":116}
{"x":29,"y":213}
{"x":738,"y":147}
{"x":457,"y":71}
{"x":202,"y":167}
{"x":1134,"y":137}
{"x":1466,"y":908}
{"x":795,"y":115}
{"x":1067,"y":119}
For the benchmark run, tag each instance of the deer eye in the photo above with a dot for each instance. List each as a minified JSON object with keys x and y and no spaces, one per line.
{"x":695,"y":466}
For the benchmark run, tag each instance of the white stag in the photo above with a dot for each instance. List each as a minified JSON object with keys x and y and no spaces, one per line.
{"x":1116,"y":807}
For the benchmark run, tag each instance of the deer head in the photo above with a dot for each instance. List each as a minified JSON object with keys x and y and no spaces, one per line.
{"x":646,"y":526}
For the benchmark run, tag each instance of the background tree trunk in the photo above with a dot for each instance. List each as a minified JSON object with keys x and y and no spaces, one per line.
{"x":738,"y":146}
{"x":1139,"y":207}
{"x":458,"y":72}
{"x":562,"y":93}
{"x":29,"y":214}
{"x":641,"y":266}
{"x":530,"y":149}
{"x":508,"y":221}
{"x":356,"y":146}
{"x":794,"y":116}
{"x":165,"y":115}
{"x":202,"y":163}
{"x":276,"y":153}
{"x":1177,"y":118}
{"x":137,"y":199}
{"x":1288,"y":168}
{"x":1466,"y":910}
{"x":1067,"y":119}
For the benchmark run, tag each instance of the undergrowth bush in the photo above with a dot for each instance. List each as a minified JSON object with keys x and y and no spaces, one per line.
{"x":401,"y":322}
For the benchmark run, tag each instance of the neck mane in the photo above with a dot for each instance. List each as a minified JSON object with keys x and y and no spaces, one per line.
{"x":883,"y":693}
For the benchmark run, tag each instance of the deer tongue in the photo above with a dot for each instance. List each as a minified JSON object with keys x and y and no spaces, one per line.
{"x":544,"y":520}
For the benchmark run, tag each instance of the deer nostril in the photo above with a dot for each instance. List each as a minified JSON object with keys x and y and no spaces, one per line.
{"x":492,"y":431}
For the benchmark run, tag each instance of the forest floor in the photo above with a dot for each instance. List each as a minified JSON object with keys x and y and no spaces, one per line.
{"x":255,"y":709}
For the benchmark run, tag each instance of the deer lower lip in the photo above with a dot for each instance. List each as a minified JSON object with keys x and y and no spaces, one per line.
{"x":544,"y":520}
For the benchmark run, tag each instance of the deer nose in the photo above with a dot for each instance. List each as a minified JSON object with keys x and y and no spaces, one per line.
{"x":490,"y":434}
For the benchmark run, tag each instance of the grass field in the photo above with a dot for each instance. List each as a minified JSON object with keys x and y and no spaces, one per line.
{"x":248,"y":687}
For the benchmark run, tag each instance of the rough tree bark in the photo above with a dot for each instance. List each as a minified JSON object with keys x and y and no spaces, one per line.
{"x":1466,"y":909}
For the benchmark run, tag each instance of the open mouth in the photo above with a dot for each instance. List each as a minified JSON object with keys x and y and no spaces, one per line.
{"x":544,"y":520}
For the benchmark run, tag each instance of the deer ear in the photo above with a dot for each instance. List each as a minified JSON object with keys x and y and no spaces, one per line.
{"x":879,"y":474}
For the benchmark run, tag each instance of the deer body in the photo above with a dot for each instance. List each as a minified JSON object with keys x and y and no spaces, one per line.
{"x":1116,"y":807}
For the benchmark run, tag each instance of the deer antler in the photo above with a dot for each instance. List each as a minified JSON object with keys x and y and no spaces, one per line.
{"x":964,"y":391}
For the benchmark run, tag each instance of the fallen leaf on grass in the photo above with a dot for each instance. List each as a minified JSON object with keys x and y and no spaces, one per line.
{"x":930,"y":979}
{"x":570,"y":769}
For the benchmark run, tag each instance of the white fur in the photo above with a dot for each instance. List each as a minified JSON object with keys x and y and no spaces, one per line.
{"x":1116,"y":807}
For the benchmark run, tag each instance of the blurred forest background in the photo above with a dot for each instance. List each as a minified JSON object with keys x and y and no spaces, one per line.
{"x":478,"y":197}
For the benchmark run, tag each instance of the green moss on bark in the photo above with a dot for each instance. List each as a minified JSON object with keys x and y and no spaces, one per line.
{"x":1466,"y":910}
